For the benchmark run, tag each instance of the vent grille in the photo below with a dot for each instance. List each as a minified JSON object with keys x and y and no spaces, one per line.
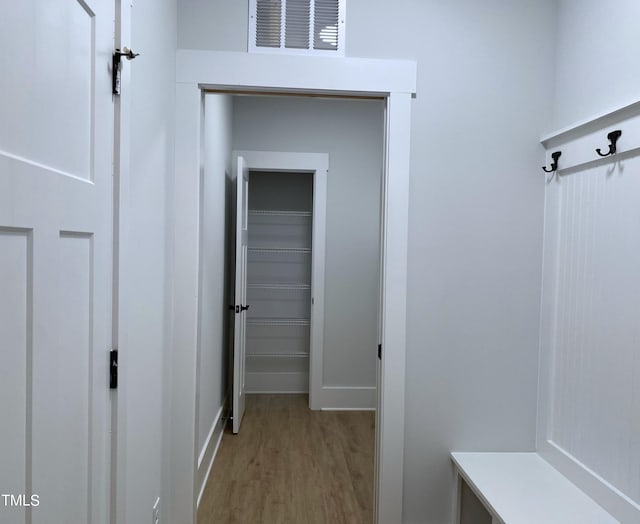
{"x":297,"y":26}
{"x":297,"y":23}
{"x":325,"y":25}
{"x":268,"y":23}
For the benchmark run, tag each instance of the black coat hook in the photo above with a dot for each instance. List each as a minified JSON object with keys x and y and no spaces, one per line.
{"x":554,"y":164}
{"x":613,"y":139}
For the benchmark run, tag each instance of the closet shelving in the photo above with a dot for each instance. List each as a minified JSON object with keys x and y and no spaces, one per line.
{"x":279,"y":291}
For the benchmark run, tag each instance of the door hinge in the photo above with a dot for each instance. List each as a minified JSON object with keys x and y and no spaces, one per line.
{"x":380,"y":351}
{"x":113,"y":369}
{"x":115,"y":67}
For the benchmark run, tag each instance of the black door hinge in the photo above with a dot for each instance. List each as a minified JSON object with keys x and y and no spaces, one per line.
{"x":113,"y":369}
{"x":379,"y":351}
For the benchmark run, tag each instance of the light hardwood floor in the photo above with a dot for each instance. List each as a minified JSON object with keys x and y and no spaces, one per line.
{"x":291,"y":465}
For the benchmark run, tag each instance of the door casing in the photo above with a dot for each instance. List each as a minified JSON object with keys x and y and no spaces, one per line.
{"x":316,"y":164}
{"x":395,"y":82}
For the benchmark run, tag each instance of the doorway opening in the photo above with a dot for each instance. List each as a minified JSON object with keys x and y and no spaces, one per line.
{"x":295,"y":214}
{"x":279,"y":293}
{"x":392,"y":83}
{"x":280,"y":280}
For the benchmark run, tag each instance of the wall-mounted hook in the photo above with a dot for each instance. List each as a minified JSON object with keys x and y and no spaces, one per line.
{"x":554,"y":164}
{"x":613,"y":139}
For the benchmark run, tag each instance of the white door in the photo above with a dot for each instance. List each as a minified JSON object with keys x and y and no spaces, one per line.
{"x":56,"y":153}
{"x":241,"y":306}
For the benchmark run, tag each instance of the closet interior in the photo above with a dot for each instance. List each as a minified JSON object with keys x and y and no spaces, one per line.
{"x":279,"y":282}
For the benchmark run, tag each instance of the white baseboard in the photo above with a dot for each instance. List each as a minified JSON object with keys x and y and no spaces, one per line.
{"x":331,"y":398}
{"x":210,"y":449}
{"x":335,"y":398}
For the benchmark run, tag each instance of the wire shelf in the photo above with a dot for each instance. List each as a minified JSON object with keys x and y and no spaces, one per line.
{"x":279,"y":286}
{"x":277,"y":355}
{"x":278,"y":321}
{"x":280,"y":250}
{"x":279,"y":213}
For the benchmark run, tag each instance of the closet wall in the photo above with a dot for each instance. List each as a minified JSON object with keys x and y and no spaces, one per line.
{"x":216,"y":189}
{"x":279,"y":282}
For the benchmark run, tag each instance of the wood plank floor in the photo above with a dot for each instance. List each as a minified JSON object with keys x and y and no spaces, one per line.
{"x":291,"y":465}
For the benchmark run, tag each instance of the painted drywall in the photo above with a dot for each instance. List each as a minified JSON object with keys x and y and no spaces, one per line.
{"x":485,"y":93}
{"x":475,"y":232}
{"x":213,"y":24}
{"x":597,"y":58}
{"x":351,"y":133}
{"x":213,"y":336}
{"x":145,"y":272}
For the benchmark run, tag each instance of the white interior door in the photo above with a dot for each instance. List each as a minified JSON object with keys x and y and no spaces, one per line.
{"x":56,"y":154}
{"x":241,"y":306}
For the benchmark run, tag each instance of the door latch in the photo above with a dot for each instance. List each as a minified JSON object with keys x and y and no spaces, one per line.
{"x":115,"y":67}
{"x":113,"y":369}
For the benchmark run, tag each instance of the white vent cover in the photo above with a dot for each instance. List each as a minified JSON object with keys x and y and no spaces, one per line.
{"x":297,"y":26}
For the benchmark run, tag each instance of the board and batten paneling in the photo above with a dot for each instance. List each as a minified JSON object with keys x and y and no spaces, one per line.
{"x":590,"y":343}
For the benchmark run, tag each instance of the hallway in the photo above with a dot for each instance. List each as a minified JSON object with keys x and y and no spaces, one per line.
{"x":289,"y":464}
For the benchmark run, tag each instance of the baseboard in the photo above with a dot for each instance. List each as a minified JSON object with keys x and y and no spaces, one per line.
{"x":210,"y":449}
{"x":331,"y":398}
{"x":335,"y":398}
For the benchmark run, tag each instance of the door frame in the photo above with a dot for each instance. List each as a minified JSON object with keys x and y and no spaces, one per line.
{"x":316,"y":164}
{"x":394,"y":81}
{"x":121,"y":315}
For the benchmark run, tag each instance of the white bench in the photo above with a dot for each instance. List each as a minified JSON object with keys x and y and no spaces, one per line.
{"x":522,"y":488}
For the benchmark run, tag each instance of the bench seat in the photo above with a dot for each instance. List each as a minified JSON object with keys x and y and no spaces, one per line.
{"x":522,"y":488}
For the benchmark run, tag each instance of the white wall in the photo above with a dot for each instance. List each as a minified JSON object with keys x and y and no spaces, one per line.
{"x":485,"y":90}
{"x":597,"y":55}
{"x":351,"y":133}
{"x":475,"y":226}
{"x":213,"y":24}
{"x":213,"y":333}
{"x":145,"y":272}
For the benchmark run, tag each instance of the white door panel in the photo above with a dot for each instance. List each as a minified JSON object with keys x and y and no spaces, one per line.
{"x":240,"y":331}
{"x":56,"y":249}
{"x":14,"y":260}
{"x":47,"y":83}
